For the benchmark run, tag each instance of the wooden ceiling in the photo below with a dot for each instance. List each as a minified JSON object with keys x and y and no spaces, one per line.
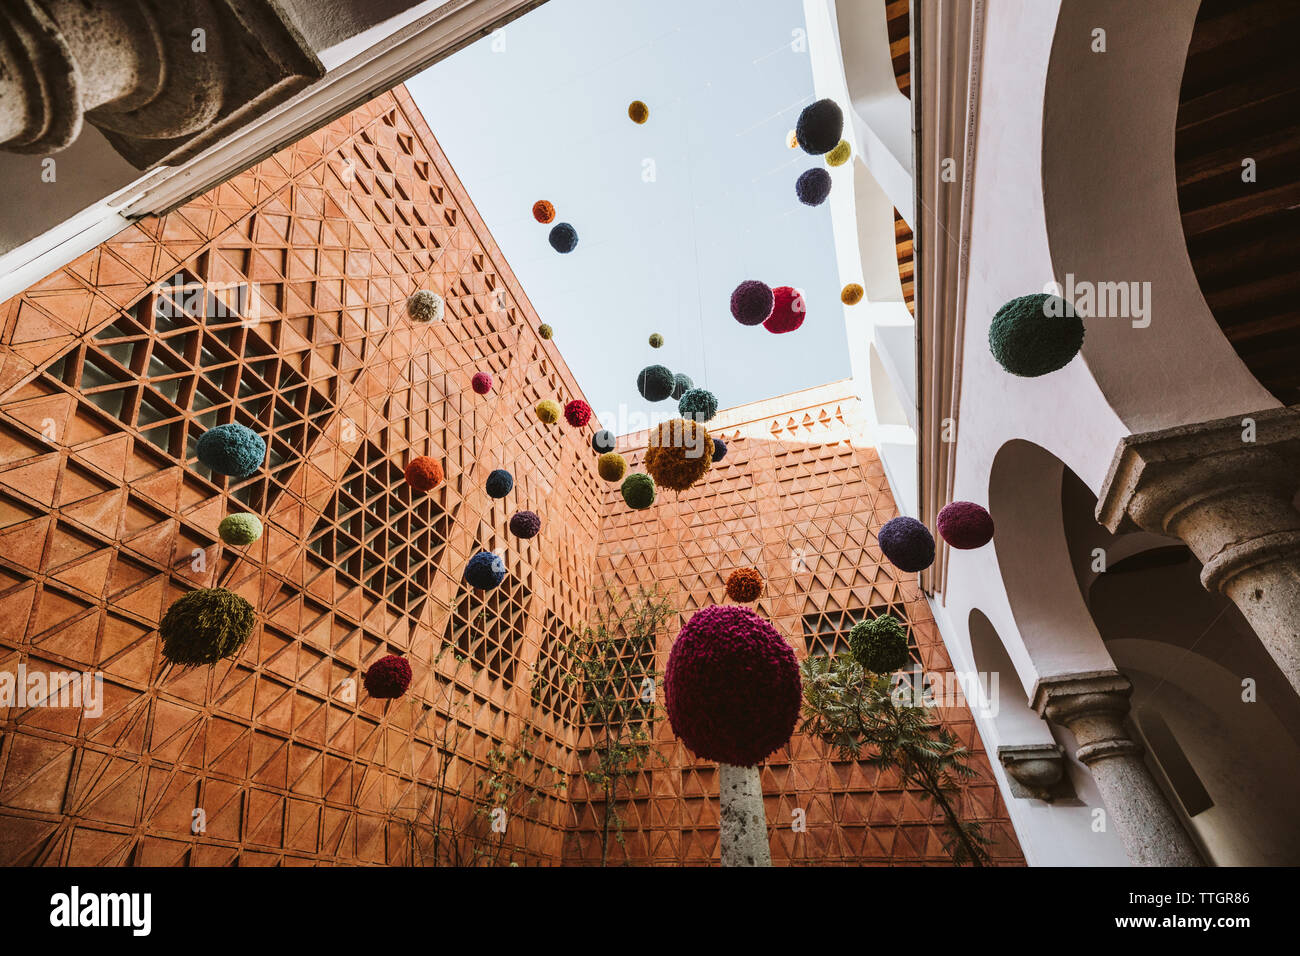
{"x":898,"y":18}
{"x":1241,"y":100}
{"x":898,"y":14}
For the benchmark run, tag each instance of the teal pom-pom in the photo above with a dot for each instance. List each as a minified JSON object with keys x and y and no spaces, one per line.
{"x":231,"y":450}
{"x":698,"y":404}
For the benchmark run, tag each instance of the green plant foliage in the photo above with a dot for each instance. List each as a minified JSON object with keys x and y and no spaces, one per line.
{"x":613,"y":663}
{"x":855,"y":713}
{"x":879,"y":644}
{"x":206,"y":625}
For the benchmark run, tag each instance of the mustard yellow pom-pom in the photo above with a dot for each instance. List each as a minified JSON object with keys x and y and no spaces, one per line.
{"x":840,"y":154}
{"x":638,"y":112}
{"x":545,"y":331}
{"x":611,"y":466}
{"x":548,"y":412}
{"x":791,"y":141}
{"x":851,"y":294}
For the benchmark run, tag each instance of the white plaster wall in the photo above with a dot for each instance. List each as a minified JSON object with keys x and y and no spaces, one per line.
{"x":863,"y":224}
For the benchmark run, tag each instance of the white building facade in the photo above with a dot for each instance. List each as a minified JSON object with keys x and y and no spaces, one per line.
{"x":1140,"y":601}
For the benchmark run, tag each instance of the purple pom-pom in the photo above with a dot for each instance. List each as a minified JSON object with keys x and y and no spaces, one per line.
{"x":907,"y":543}
{"x":965,"y":525}
{"x":813,"y":186}
{"x":751,"y":302}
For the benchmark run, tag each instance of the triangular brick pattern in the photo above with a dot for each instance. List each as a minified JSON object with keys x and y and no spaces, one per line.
{"x":277,"y":301}
{"x":799,"y":497}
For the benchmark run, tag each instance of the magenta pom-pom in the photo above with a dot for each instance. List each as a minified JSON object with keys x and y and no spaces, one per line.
{"x":732,"y":686}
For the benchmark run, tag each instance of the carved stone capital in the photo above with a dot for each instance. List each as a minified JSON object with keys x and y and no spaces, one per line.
{"x":1092,"y":708}
{"x":1224,"y":487}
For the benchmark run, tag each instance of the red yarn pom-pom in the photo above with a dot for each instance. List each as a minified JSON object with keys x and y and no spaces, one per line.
{"x":388,"y":677}
{"x":732,"y":686}
{"x":423,"y":473}
{"x":481,"y":383}
{"x":788,"y":310}
{"x":577,"y":413}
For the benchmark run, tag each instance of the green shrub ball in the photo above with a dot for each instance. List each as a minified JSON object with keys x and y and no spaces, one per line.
{"x":879,"y":645}
{"x":240,"y":529}
{"x":1035,"y":334}
{"x":638,"y":490}
{"x":205,"y":626}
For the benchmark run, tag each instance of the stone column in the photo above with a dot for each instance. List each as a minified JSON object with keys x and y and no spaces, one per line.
{"x":744,"y":821}
{"x":1226,"y":488}
{"x":1092,"y":708}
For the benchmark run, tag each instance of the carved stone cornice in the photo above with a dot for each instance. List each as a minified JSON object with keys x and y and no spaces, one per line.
{"x":161,"y":79}
{"x":1035,"y":771}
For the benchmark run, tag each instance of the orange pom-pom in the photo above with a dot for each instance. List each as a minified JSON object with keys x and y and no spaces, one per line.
{"x":543,"y":211}
{"x":744,"y":585}
{"x":423,"y":473}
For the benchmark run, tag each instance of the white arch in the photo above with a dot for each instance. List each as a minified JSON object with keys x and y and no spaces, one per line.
{"x":1111,"y":203}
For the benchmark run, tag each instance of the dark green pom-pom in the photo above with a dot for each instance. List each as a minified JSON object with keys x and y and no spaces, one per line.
{"x":1035,"y":334}
{"x":879,"y":645}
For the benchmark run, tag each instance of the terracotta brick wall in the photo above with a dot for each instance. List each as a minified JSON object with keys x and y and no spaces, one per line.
{"x":106,"y":517}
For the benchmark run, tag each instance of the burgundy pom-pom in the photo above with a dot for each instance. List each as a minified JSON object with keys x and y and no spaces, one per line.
{"x":788,"y":310}
{"x":577,"y":413}
{"x":751,"y":302}
{"x":732,"y":686}
{"x":481,"y":383}
{"x":388,"y":677}
{"x":965,"y":525}
{"x":525,"y":524}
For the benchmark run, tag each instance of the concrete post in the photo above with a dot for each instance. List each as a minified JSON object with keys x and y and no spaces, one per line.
{"x":744,"y":821}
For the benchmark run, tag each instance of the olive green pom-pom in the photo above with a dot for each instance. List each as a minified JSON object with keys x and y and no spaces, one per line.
{"x":240,"y":529}
{"x":638,"y":490}
{"x":206,"y":625}
{"x":879,"y":645}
